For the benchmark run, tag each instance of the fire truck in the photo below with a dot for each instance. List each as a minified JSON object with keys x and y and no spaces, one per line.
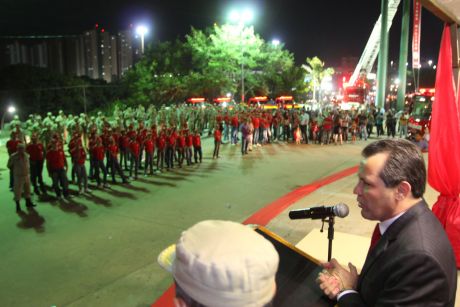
{"x":353,"y":97}
{"x":420,"y":104}
{"x":195,"y":101}
{"x":261,"y":102}
{"x":287,"y":102}
{"x":221,"y":101}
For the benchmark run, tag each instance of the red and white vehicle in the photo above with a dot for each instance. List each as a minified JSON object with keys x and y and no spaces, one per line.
{"x":287,"y":102}
{"x":353,"y":97}
{"x":222,"y":101}
{"x":421,"y":104}
{"x":196,"y":101}
{"x":261,"y":102}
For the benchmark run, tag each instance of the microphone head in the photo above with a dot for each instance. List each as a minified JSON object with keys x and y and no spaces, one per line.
{"x":341,"y":210}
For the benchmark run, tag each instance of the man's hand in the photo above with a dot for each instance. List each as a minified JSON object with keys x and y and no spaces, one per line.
{"x":335,"y":278}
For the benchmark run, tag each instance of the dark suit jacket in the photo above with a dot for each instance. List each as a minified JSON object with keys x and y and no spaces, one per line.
{"x":412,"y":265}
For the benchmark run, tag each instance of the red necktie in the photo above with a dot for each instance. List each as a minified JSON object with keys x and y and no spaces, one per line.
{"x":375,"y":237}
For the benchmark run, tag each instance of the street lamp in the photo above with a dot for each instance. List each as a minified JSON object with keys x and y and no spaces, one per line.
{"x":430,"y":62}
{"x":241,"y":18}
{"x":141,"y":31}
{"x":10,"y":110}
{"x":275,"y":42}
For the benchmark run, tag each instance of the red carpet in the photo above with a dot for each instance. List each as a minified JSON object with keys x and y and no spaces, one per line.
{"x":269,"y":212}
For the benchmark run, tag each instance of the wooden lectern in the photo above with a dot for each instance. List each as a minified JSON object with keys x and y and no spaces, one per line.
{"x":296,"y":277}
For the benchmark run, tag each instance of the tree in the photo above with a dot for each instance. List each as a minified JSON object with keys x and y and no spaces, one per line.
{"x":316,"y":73}
{"x":209,"y":64}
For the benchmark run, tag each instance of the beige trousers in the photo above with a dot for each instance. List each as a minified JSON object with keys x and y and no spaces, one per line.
{"x":21,"y":183}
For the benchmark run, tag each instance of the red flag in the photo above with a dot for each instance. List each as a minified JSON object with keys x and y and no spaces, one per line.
{"x":444,"y":148}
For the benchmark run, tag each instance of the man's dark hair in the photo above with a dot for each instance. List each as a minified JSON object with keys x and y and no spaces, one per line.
{"x":404,"y":163}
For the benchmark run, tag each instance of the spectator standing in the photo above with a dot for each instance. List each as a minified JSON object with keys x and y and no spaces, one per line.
{"x":19,"y":165}
{"x":403,"y":122}
{"x":11,"y":146}
{"x":37,"y":158}
{"x":56,"y":164}
{"x":197,"y":151}
{"x":304,"y":120}
{"x":217,"y":141}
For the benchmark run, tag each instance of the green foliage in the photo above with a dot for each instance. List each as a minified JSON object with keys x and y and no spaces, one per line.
{"x":316,"y":72}
{"x":209,"y":63}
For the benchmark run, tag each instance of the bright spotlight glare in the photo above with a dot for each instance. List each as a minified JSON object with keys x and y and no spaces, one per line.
{"x":11,"y":109}
{"x":248,"y":15}
{"x":142,"y":30}
{"x":234,"y":16}
{"x":275,"y":42}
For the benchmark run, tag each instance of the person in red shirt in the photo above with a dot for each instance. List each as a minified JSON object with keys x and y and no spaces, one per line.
{"x":170,"y":149}
{"x":227,"y":123}
{"x":256,"y":123}
{"x":161,"y":147}
{"x":134,"y":151}
{"x":36,"y":160}
{"x":76,"y":137}
{"x":217,"y":141}
{"x":92,"y":162}
{"x":180,"y":146}
{"x":197,"y":151}
{"x":235,"y":126}
{"x":327,"y":129}
{"x":56,"y":164}
{"x":98,"y":154}
{"x":78,"y":155}
{"x":12,"y":146}
{"x":149,"y":147}
{"x":141,"y":136}
{"x":124,"y":149}
{"x":188,"y":146}
{"x":113,"y":161}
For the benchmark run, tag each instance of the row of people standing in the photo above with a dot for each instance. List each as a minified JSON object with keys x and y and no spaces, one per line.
{"x":107,"y":153}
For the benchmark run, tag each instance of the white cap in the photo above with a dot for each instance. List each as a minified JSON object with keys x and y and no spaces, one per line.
{"x":224,"y":264}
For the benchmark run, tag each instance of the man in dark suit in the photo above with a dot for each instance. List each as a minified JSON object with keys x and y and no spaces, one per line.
{"x":410,"y":262}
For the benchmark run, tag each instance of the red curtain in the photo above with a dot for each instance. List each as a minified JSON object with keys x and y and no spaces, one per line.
{"x":444,"y":149}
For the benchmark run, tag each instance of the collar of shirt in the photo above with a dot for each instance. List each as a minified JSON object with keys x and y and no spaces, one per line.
{"x":383,"y":226}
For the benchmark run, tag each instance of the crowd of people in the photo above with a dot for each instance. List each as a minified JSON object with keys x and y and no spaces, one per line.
{"x":138,"y":141}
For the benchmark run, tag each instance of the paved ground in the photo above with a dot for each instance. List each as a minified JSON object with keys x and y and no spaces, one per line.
{"x":101,"y":250}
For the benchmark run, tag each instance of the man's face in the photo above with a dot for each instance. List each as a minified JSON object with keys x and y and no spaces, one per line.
{"x":377,"y":202}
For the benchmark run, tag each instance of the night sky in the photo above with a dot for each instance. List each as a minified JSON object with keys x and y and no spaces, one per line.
{"x":328,"y":29}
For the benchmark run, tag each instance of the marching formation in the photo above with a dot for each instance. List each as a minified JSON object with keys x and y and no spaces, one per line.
{"x":134,"y":142}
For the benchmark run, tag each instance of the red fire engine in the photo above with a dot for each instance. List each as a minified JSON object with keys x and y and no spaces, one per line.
{"x":287,"y":102}
{"x":420,"y":104}
{"x":261,"y":102}
{"x":353,"y":97}
{"x":195,"y":101}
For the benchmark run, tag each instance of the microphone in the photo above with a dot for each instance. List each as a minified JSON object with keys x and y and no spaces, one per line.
{"x":320,"y":212}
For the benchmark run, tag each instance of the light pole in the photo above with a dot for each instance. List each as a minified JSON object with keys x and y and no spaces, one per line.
{"x":275,"y":42}
{"x":9,"y":110}
{"x":141,"y":31}
{"x":240,"y":18}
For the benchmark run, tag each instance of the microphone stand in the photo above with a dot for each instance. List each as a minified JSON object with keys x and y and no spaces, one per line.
{"x":330,"y":234}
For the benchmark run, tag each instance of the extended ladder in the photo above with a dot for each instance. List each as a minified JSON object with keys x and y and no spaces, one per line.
{"x":371,"y":50}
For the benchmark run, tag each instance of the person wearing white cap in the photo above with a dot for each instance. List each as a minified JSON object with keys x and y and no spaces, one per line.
{"x":222,"y":264}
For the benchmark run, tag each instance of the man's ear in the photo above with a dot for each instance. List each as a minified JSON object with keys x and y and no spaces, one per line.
{"x":403,"y":190}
